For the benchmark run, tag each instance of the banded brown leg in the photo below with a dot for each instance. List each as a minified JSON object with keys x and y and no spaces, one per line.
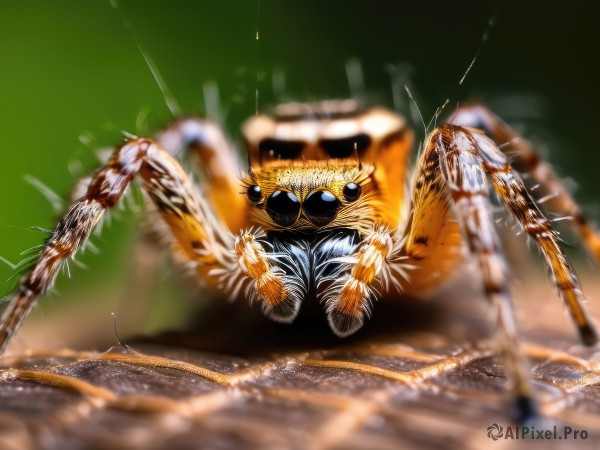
{"x":198,"y":236}
{"x":466,"y":156}
{"x":464,"y":176}
{"x":217,"y":163}
{"x":527,"y":161}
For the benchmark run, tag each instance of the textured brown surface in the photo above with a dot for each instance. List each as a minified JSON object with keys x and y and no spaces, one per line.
{"x":422,"y":375}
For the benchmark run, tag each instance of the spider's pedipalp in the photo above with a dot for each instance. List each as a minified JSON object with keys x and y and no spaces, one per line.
{"x":274,"y":278}
{"x":354,"y":283}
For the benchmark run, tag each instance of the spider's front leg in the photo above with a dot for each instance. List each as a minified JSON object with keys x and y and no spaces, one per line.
{"x":513,"y":192}
{"x":465,"y":157}
{"x":199,"y":238}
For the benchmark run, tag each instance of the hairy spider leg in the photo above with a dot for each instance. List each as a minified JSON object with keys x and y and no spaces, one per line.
{"x":464,"y":175}
{"x":217,"y":164}
{"x":513,"y":192}
{"x":433,"y":242}
{"x":526,"y":160}
{"x":466,"y":156}
{"x":463,"y":157}
{"x":198,"y":236}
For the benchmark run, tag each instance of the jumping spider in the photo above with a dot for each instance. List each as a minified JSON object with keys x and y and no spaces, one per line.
{"x":326,"y":210}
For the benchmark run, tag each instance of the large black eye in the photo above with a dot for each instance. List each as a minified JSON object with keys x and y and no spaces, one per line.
{"x":254,"y":194}
{"x":351,"y":192}
{"x":283,"y":207}
{"x":321,"y":207}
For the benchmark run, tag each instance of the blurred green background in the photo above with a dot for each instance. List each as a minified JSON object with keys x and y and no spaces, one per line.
{"x":71,"y":79}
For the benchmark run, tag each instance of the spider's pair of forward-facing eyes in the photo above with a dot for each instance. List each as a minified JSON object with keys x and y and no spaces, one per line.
{"x":320,"y":206}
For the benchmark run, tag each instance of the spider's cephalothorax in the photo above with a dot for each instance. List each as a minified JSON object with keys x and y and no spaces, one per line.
{"x":330,"y":207}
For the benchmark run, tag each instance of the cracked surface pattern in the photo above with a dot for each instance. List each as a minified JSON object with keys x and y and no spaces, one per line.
{"x":423,"y":375}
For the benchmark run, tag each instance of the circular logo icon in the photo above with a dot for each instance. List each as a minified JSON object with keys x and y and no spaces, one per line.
{"x":495,"y":431}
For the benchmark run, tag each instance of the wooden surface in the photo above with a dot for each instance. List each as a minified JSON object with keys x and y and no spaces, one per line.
{"x":423,"y":374}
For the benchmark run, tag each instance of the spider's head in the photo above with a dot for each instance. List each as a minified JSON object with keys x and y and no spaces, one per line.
{"x":312,"y":164}
{"x":310,"y":194}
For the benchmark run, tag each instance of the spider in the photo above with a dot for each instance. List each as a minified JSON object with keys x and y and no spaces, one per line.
{"x":329,"y":208}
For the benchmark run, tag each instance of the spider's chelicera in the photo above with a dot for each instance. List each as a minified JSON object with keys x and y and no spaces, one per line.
{"x":326,"y":212}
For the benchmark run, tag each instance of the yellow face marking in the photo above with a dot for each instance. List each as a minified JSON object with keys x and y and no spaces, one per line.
{"x":303,"y":177}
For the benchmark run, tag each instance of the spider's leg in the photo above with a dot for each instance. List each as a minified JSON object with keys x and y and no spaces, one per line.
{"x":71,"y":233}
{"x":198,"y":237}
{"x":433,"y":239}
{"x":526,"y":160}
{"x":514,"y":194}
{"x":217,"y":163}
{"x":464,"y":176}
